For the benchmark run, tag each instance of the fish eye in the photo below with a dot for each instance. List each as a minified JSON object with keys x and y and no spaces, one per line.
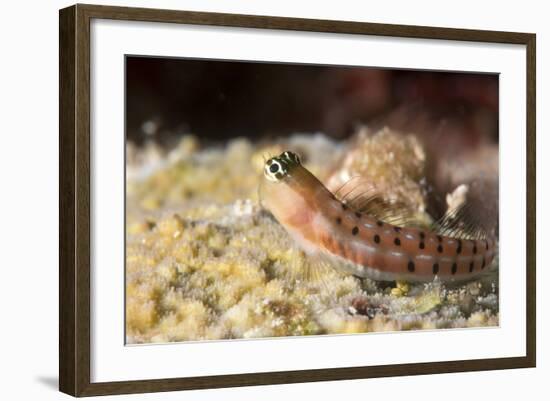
{"x":275,"y":169}
{"x":291,"y":157}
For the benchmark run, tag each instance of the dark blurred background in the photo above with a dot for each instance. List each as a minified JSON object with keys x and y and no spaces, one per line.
{"x":215,"y":100}
{"x":455,"y":115}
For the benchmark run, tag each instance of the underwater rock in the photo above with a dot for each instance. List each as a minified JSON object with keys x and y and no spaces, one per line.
{"x":391,"y":162}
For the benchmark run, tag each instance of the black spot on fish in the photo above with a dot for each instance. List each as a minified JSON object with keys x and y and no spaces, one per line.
{"x":355,"y":230}
{"x":410,"y":266}
{"x":380,"y":223}
{"x":454,"y":268}
{"x":397,"y":241}
{"x":338,"y":220}
{"x":344,"y":206}
{"x":471,"y":266}
{"x":422,"y":235}
{"x":459,"y":247}
{"x":475,"y":249}
{"x":439,"y":248}
{"x":486,"y":245}
{"x":377,"y":238}
{"x":439,"y":238}
{"x":358,"y":215}
{"x":435,"y":268}
{"x":397,"y":229}
{"x":421,"y":245}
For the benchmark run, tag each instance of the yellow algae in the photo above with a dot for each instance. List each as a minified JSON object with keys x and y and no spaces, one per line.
{"x":150,"y":203}
{"x":383,"y":323}
{"x":396,"y":292}
{"x":427,"y":301}
{"x":401,"y":289}
{"x":188,"y":321}
{"x":335,"y":321}
{"x":140,"y":316}
{"x":170,"y":226}
{"x":188,"y":145}
{"x":205,"y":262}
{"x":140,"y":227}
{"x":482,"y":318}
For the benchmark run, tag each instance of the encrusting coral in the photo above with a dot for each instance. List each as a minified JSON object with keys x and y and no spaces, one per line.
{"x":204,"y":261}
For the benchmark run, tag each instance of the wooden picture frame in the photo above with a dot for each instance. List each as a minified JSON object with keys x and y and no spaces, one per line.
{"x":75,"y":206}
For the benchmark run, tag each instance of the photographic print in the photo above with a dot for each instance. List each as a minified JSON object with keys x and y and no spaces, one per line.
{"x":273,"y":200}
{"x":299,"y":200}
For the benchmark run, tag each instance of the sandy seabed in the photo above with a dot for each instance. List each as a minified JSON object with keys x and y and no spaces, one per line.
{"x":204,"y":261}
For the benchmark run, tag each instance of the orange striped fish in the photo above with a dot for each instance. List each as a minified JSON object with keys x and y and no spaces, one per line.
{"x":359,"y":242}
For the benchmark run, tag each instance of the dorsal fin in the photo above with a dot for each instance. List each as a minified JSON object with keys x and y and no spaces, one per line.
{"x":362,"y":196}
{"x":460,"y":222}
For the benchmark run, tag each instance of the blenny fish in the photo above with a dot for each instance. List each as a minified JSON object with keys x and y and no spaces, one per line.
{"x":352,"y":236}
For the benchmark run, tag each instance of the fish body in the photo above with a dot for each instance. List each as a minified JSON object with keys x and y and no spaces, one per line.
{"x":359,"y":243}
